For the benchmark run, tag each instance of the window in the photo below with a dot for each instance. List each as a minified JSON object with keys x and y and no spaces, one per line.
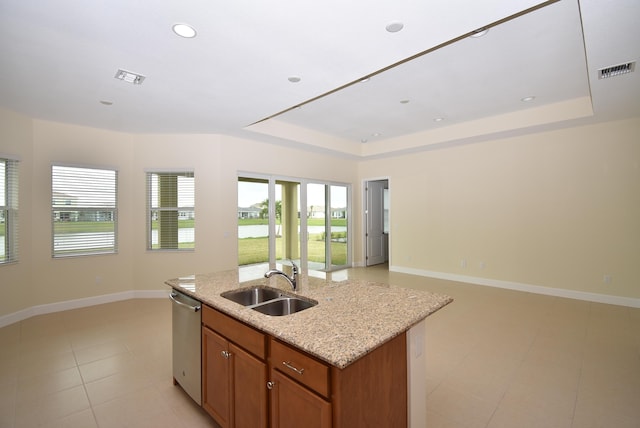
{"x":84,"y":211}
{"x":171,"y":210}
{"x":8,"y":211}
{"x":274,"y":226}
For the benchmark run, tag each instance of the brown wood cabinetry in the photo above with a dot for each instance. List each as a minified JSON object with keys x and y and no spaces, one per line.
{"x":294,"y":406}
{"x":233,"y":380}
{"x":299,"y":385}
{"x":251,"y":379}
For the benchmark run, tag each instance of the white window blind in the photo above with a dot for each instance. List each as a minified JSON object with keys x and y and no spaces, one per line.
{"x":84,"y":211}
{"x":8,"y":211}
{"x":171,"y":210}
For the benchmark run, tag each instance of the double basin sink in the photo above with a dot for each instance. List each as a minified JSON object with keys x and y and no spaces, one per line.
{"x":269,"y":301}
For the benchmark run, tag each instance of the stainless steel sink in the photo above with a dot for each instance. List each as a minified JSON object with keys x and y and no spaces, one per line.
{"x":252,"y":296}
{"x":269,"y":301}
{"x":284,"y":306}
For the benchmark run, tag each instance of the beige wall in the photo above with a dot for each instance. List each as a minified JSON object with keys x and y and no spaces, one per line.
{"x":56,"y":280}
{"x":40,"y":280}
{"x":16,"y":140}
{"x":556,"y":209}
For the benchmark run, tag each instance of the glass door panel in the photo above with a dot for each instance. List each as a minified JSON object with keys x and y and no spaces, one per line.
{"x":287,"y":208}
{"x":338,"y":227}
{"x":253,"y":221}
{"x":316,"y":226}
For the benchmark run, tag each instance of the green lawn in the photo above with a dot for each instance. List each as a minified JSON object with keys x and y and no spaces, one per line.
{"x":310,"y":222}
{"x":256,"y":250}
{"x":250,"y":250}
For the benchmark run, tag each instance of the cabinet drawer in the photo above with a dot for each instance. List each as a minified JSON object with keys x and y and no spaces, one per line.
{"x":235,"y":331}
{"x":300,"y":367}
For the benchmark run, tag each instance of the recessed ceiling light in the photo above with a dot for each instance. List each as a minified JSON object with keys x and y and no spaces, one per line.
{"x":184,"y":30}
{"x":404,"y":101}
{"x":363,"y":140}
{"x":106,"y":103}
{"x":294,"y":79}
{"x":375,"y":134}
{"x":527,"y":99}
{"x":438,"y":119}
{"x":479,"y":33}
{"x":394,"y":27}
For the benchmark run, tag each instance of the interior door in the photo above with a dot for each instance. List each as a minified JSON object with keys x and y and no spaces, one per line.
{"x":375,"y":236}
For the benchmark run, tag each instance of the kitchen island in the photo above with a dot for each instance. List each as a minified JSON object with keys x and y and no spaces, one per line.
{"x":355,"y":323}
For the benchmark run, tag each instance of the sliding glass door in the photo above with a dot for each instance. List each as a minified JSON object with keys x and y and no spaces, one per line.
{"x":273,"y":226}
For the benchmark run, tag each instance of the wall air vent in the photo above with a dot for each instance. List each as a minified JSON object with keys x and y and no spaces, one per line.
{"x":129,"y":77}
{"x":616,"y":70}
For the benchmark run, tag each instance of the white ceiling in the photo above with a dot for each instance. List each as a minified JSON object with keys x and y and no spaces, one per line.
{"x":59,"y":59}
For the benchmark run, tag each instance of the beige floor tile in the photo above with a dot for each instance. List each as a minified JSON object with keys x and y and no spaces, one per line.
{"x":142,"y":409}
{"x":36,"y":364}
{"x":53,"y":344}
{"x":188,"y":412}
{"x":35,"y":388}
{"x":51,"y":407}
{"x":484,"y":378}
{"x":100,"y":351}
{"x":115,"y":386}
{"x":556,"y":351}
{"x":460,"y":407}
{"x":107,"y":366}
{"x":42,"y":326}
{"x":9,"y":335}
{"x":545,"y":399}
{"x":607,"y":406}
{"x":436,"y":420}
{"x":81,"y":419}
{"x":7,"y":403}
{"x":517,"y":416}
{"x":495,"y":358}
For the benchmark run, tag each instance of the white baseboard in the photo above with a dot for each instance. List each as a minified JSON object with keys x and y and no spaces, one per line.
{"x":529,"y":288}
{"x":80,"y":303}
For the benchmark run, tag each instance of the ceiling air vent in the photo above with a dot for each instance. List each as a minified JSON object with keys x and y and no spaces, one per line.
{"x":129,"y":77}
{"x":616,"y":70}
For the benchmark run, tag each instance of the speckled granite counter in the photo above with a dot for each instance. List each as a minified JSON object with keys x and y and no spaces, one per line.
{"x":352,"y":317}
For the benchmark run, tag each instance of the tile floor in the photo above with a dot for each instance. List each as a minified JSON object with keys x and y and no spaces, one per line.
{"x":496,"y":358}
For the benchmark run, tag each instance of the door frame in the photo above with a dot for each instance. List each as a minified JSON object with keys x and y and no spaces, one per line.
{"x":365,"y":183}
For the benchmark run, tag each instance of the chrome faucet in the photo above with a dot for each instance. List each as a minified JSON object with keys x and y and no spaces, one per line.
{"x":293,"y":280}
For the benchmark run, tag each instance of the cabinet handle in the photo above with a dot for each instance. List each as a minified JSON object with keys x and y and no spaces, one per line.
{"x":288,"y":365}
{"x":271,"y":384}
{"x":225,"y":354}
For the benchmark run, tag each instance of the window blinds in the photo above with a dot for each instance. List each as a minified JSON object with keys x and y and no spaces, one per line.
{"x":9,"y":242}
{"x":84,"y":211}
{"x":171,"y":210}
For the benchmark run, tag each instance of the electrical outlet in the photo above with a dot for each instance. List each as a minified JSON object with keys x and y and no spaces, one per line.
{"x":463,"y":263}
{"x":482,"y":265}
{"x":98,"y":280}
{"x":607,"y":279}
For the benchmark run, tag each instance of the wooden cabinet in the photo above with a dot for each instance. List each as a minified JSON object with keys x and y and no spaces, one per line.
{"x":233,"y":379}
{"x":298,"y":387}
{"x":216,"y":377}
{"x":294,"y":406}
{"x":252,"y":380}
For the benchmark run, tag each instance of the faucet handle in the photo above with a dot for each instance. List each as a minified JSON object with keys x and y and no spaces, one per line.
{"x":295,"y":268}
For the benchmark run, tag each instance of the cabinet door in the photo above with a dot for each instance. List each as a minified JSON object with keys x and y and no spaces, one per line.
{"x":249,"y":389}
{"x":294,"y":406}
{"x":216,"y":377}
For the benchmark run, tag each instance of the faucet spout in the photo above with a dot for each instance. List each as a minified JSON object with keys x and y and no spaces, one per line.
{"x":293,"y":280}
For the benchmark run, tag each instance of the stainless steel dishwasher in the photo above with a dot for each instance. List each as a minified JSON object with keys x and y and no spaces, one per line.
{"x":186,"y":322}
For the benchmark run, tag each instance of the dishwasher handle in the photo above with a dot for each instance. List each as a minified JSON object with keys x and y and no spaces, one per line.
{"x":173,"y":296}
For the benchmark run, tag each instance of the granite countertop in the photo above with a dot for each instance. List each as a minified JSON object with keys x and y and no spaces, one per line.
{"x":352,"y":316}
